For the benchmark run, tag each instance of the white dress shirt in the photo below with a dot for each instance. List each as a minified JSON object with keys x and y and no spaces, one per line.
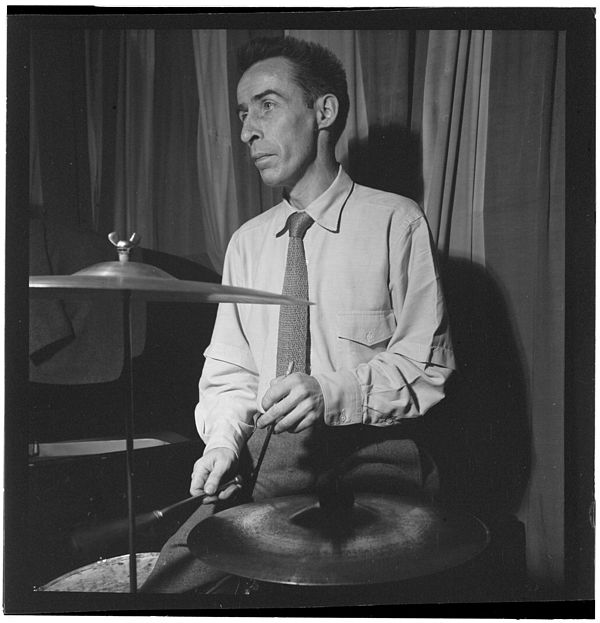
{"x":380,"y":343}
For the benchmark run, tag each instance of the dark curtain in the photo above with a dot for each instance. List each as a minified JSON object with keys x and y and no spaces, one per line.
{"x":525,"y":251}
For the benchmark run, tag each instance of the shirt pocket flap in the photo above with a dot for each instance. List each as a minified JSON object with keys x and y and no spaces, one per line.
{"x":366,"y":327}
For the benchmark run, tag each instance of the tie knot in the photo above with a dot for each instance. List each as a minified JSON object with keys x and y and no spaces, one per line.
{"x":298,"y":223}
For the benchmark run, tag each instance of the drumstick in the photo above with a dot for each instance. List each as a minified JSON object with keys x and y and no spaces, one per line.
{"x":160,"y":513}
{"x":263,"y":450}
{"x":84,"y":539}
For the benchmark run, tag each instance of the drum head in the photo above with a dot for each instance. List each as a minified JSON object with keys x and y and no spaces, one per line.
{"x":104,"y":576}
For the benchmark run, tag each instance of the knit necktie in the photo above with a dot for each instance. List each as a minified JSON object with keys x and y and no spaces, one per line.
{"x":293,"y":338}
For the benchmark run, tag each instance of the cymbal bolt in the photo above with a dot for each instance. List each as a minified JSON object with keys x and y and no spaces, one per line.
{"x":124,"y":246}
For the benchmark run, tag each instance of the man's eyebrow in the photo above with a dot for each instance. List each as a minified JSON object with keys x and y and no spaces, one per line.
{"x":259,"y":96}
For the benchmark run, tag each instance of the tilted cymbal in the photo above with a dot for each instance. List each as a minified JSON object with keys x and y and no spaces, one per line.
{"x":293,"y":540}
{"x":149,"y":289}
{"x":144,"y":282}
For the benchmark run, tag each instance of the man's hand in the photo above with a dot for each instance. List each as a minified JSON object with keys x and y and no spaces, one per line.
{"x":209,"y":472}
{"x":294,"y":402}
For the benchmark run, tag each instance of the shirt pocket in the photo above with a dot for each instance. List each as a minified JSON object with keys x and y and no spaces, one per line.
{"x":362,"y":334}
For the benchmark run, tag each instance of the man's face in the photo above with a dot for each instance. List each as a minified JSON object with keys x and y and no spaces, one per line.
{"x":278,"y":126}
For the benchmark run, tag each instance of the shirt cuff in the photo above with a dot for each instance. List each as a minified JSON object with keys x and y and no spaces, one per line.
{"x":229,"y":436}
{"x":342,"y":398}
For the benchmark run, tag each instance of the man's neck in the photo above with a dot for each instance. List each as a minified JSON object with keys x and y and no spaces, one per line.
{"x":316,"y":180}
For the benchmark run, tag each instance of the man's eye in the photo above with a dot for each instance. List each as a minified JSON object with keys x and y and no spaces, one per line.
{"x":243,"y":116}
{"x":268,"y":105}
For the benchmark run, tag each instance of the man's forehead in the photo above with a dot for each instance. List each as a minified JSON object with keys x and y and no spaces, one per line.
{"x":268,"y":73}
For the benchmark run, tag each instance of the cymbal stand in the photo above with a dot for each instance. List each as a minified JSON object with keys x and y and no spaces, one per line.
{"x":129,"y":428}
{"x":124,"y":248}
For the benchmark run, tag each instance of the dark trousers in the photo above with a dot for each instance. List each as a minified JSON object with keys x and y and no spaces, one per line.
{"x":389,"y":466}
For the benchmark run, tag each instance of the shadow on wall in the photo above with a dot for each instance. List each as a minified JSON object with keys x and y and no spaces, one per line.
{"x":389,"y":160}
{"x":480,"y":434}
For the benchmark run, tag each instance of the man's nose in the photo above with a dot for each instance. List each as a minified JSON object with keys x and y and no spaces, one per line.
{"x":250,"y":130}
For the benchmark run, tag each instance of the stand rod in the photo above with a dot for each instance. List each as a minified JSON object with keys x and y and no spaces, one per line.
{"x":129,"y":427}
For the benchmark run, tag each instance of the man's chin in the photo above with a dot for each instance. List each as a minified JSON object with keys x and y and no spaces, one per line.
{"x":270,"y":178}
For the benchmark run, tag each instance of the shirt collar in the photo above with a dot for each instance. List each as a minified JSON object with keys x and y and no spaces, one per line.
{"x":327,"y":207}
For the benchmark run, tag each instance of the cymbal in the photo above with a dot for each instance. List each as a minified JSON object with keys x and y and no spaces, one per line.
{"x":381,"y":538}
{"x":146,"y":283}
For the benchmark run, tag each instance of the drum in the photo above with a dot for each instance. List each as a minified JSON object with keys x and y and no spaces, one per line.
{"x":110,"y":575}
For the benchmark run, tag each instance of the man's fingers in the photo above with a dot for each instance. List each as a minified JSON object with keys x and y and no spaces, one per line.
{"x":207,"y":476}
{"x":216,"y":474}
{"x":303,"y":425}
{"x":291,"y":401}
{"x":229,"y":491}
{"x":280,"y":387}
{"x":276,"y":380}
{"x":293,"y":420}
{"x":199,"y":475}
{"x":209,"y":499}
{"x":278,"y":410}
{"x":209,"y":471}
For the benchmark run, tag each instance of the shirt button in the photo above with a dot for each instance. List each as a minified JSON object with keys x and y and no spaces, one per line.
{"x":369,"y":335}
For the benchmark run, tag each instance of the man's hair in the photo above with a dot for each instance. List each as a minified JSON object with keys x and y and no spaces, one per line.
{"x":317,"y":70}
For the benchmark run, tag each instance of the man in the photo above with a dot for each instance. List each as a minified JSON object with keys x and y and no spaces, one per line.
{"x":378,"y":348}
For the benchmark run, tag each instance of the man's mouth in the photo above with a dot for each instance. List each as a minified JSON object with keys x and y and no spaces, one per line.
{"x":260,"y":159}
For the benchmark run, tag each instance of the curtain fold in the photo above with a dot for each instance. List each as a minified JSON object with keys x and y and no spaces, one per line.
{"x":178,"y":210}
{"x":57,"y":101}
{"x":445,"y":71}
{"x":36,"y":195}
{"x":524,"y":242}
{"x":390,"y":158}
{"x":134,"y":137}
{"x":94,"y":83}
{"x":468,"y":234}
{"x":455,"y":100}
{"x":215,"y":159}
{"x":385,"y":60}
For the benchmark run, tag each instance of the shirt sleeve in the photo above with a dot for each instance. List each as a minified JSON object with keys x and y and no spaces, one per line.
{"x":407,"y":378}
{"x":229,"y":380}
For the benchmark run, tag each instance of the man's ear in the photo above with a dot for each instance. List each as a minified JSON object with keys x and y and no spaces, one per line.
{"x":327,"y":107}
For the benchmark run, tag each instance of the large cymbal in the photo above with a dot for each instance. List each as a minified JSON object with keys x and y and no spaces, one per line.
{"x":292,"y":540}
{"x":146,"y":283}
